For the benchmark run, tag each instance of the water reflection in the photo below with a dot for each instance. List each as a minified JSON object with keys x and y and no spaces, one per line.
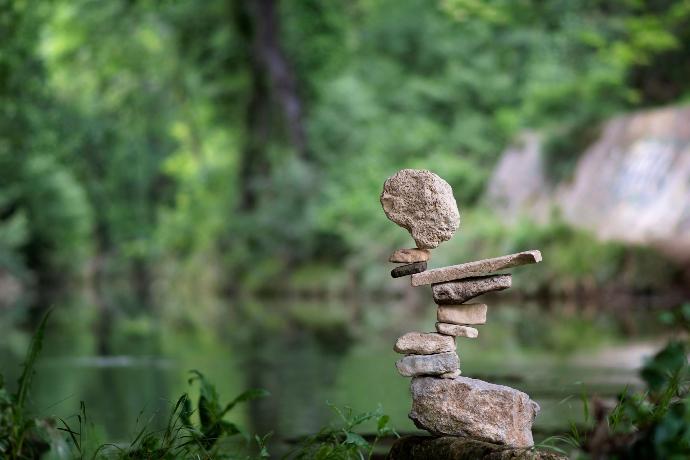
{"x":308,"y":354}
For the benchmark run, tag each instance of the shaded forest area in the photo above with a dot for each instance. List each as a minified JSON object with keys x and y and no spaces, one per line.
{"x":242,"y":144}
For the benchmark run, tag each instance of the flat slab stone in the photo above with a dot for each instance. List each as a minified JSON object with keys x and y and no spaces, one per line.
{"x":469,"y":407}
{"x":424,"y":343}
{"x":461,"y":448}
{"x":468,"y":313}
{"x":476,"y":268}
{"x":423,"y":203}
{"x":455,"y":292}
{"x":407,"y":256}
{"x":415,"y":365}
{"x":457,"y":330}
{"x":405,"y":270}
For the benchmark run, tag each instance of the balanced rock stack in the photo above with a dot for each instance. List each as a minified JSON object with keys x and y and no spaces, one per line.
{"x":443,"y":402}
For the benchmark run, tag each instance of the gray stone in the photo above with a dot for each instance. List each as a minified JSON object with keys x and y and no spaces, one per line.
{"x":423,"y":203}
{"x":457,"y":330}
{"x":415,"y":365}
{"x":407,"y":256}
{"x":424,"y":343}
{"x":451,"y":375}
{"x":409,"y":269}
{"x":476,"y":268}
{"x":461,"y":448}
{"x":473,"y":408}
{"x":456,"y":292}
{"x":468,"y":313}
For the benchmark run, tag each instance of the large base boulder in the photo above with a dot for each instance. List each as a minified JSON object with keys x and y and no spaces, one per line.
{"x":452,"y":448}
{"x":473,"y":408}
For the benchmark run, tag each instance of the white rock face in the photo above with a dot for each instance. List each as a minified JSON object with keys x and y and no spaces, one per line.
{"x":473,"y":408}
{"x":423,"y":203}
{"x":424,"y":343}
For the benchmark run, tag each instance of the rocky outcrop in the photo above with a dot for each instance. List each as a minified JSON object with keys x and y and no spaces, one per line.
{"x":631,"y":185}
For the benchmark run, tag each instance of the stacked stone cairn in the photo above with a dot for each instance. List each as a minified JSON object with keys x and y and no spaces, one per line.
{"x":443,"y":402}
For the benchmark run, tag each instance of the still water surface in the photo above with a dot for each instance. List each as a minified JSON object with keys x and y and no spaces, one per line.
{"x":308,"y":354}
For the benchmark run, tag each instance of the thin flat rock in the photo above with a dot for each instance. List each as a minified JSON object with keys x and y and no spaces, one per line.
{"x":457,"y":330}
{"x":424,"y":343}
{"x":416,"y":365}
{"x":455,"y":292}
{"x":409,"y":269}
{"x":476,"y":268}
{"x":407,"y":256}
{"x":462,"y":448}
{"x":473,"y":408}
{"x":469,"y":313}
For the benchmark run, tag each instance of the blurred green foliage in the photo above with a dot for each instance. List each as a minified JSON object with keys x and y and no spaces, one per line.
{"x":156,"y":138}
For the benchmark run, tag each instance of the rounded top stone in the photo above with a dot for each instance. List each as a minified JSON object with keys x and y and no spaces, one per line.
{"x":423,"y":203}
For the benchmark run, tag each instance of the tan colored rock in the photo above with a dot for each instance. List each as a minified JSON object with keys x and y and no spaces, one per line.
{"x":415,"y":365}
{"x":457,"y":330}
{"x":476,"y":268}
{"x":456,"y":292}
{"x":451,"y":375}
{"x":407,"y":256}
{"x":473,"y":408}
{"x":423,"y":203}
{"x":469,"y":313}
{"x":424,"y":343}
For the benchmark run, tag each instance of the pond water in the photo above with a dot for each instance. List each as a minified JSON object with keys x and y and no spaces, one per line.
{"x":309,"y":354}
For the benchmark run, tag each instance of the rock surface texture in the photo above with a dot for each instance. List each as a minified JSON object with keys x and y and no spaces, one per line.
{"x":423,"y":203}
{"x":407,"y":256}
{"x":476,"y":268}
{"x":416,"y":365}
{"x":473,"y":408}
{"x":454,"y":448}
{"x":468,"y":313}
{"x":424,"y":343}
{"x":409,"y":269}
{"x":456,"y":330}
{"x":455,"y":292}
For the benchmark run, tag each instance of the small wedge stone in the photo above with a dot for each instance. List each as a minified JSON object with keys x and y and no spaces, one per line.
{"x":410,"y":269}
{"x":457,"y":330}
{"x":407,"y":256}
{"x":476,"y":268}
{"x":457,"y":292}
{"x":451,"y":375}
{"x":469,"y":313}
{"x":416,"y":365}
{"x":421,"y":343}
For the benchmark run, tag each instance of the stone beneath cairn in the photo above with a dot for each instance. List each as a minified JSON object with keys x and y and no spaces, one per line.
{"x":422,"y":203}
{"x":416,"y":365}
{"x":456,"y":292}
{"x":473,"y":408}
{"x":421,"y":343}
{"x":451,"y":375}
{"x":407,"y":256}
{"x":455,"y":448}
{"x":457,"y":330}
{"x":410,"y":269}
{"x":476,"y":268}
{"x":469,"y":313}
